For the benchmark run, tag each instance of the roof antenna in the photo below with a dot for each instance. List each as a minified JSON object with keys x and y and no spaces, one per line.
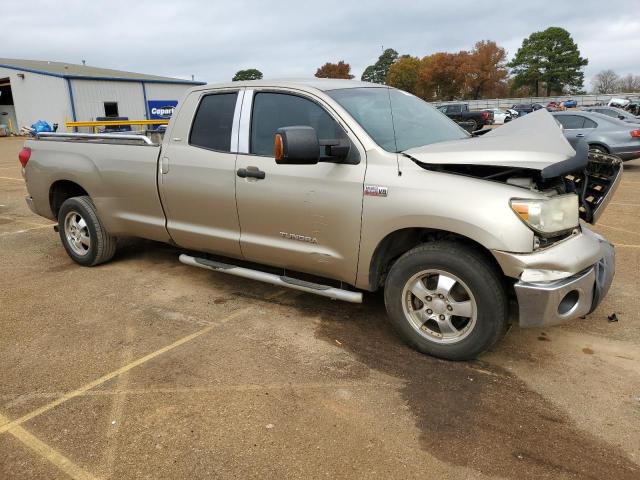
{"x":192,"y":77}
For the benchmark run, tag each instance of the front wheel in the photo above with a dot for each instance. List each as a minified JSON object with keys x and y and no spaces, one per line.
{"x":82,"y":234}
{"x":446,"y":300}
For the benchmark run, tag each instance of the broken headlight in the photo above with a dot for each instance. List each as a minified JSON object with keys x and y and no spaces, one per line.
{"x":548,"y":216}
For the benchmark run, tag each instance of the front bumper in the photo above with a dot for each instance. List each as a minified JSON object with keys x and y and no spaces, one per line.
{"x":550,"y":303}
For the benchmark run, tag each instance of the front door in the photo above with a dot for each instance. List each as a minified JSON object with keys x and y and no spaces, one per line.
{"x":300,"y":217}
{"x":197,"y":174}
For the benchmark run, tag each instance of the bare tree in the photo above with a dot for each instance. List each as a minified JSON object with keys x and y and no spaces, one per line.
{"x":607,"y":81}
{"x":630,"y":83}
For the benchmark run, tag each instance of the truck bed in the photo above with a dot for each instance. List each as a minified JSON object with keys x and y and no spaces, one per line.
{"x":119,"y":172}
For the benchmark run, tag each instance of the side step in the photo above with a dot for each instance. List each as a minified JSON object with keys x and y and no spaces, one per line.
{"x":280,"y":280}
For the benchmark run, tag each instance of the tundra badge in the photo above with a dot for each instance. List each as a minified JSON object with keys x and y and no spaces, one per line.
{"x":300,"y":238}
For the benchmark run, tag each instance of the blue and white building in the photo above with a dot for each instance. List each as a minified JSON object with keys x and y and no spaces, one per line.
{"x":56,"y":92}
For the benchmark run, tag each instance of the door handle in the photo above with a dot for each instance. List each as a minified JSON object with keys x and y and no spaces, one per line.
{"x":251,"y":172}
{"x":164,"y":165}
{"x":580,"y":135}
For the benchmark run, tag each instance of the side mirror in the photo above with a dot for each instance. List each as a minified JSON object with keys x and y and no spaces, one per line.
{"x":296,"y":146}
{"x":300,"y":146}
{"x":621,"y":117}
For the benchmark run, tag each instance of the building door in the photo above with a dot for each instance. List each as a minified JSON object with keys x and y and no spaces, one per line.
{"x":7,"y":109}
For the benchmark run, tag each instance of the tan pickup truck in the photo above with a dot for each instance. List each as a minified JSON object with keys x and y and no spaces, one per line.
{"x":336,"y":187}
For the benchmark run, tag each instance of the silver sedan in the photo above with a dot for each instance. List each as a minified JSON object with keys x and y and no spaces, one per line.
{"x":614,"y":112}
{"x":602,"y":133}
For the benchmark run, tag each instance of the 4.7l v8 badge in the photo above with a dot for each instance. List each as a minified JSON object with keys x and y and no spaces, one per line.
{"x":376,"y":190}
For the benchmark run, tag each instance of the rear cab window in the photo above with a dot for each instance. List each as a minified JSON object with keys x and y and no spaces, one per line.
{"x":213,"y":122}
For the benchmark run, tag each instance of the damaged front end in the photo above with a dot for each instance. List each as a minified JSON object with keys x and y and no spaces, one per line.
{"x":595,"y":184}
{"x":570,"y":268}
{"x":530,"y":153}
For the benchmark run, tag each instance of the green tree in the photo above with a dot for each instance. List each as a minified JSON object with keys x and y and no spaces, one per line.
{"x":550,"y":57}
{"x":377,"y":73}
{"x":335,"y":70}
{"x":403,"y":74}
{"x":248,"y":74}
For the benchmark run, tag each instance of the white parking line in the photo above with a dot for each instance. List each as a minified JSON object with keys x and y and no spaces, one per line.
{"x":7,"y":425}
{"x":49,"y":453}
{"x":6,"y":234}
{"x":626,"y":204}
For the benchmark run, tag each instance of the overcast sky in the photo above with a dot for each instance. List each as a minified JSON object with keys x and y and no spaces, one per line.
{"x":214,"y":39}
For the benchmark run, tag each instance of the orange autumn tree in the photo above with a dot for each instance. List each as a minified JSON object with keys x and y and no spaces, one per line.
{"x":487,"y":71}
{"x":479,"y":73}
{"x":443,"y":75}
{"x":335,"y":70}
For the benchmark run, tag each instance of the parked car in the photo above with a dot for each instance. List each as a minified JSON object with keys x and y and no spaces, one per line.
{"x":601,"y":132}
{"x":514,"y":113}
{"x":524,"y":108}
{"x":618,"y":102}
{"x":614,"y":112}
{"x":358,"y":186}
{"x":460,"y":113}
{"x":554,"y":106}
{"x":500,"y":117}
{"x":570,"y":103}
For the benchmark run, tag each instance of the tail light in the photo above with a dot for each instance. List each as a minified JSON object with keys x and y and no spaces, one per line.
{"x":485,"y":115}
{"x":24,"y":156}
{"x":635,"y":133}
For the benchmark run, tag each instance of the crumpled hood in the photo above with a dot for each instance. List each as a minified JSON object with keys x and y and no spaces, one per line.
{"x":534,"y":141}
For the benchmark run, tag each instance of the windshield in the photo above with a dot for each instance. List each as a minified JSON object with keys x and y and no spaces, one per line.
{"x":396,"y":120}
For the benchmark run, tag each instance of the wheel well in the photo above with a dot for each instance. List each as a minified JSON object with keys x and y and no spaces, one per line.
{"x":63,"y":190}
{"x":595,"y":144}
{"x":399,"y":242}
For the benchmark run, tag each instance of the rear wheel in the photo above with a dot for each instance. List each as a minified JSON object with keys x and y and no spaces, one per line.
{"x":446,"y":300}
{"x":474,"y":125}
{"x":598,"y":148}
{"x":82,"y":234}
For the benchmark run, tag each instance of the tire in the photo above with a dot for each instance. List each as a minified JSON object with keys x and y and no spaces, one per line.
{"x":82,"y":234}
{"x":427,"y":322}
{"x":598,"y":148}
{"x":474,"y":125}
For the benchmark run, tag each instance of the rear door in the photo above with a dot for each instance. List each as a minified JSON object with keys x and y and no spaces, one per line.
{"x":300,"y":217}
{"x":197,"y":173}
{"x":574,"y":127}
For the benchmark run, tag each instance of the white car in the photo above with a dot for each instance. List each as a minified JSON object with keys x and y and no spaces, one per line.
{"x":514,"y":113}
{"x":500,"y":116}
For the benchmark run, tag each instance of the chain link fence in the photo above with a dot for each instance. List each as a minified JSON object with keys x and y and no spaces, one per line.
{"x":583,"y":100}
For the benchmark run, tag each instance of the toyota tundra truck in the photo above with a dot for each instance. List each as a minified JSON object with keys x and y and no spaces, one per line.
{"x":339,"y":187}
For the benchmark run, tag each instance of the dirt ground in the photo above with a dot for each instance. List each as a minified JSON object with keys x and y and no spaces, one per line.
{"x":147,"y":368}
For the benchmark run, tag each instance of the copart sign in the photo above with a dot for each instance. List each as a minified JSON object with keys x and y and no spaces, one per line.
{"x":161,"y":109}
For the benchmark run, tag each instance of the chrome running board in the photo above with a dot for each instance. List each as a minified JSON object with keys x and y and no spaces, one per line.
{"x":279,"y":280}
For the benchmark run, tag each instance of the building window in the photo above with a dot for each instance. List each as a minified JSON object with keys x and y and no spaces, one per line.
{"x":111,"y":109}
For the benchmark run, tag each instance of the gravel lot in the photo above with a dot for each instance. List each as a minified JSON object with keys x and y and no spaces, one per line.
{"x":147,"y":368}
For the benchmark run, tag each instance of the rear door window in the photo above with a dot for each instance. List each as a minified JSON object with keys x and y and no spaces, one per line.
{"x":571,"y":122}
{"x":212,"y":124}
{"x":588,"y":123}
